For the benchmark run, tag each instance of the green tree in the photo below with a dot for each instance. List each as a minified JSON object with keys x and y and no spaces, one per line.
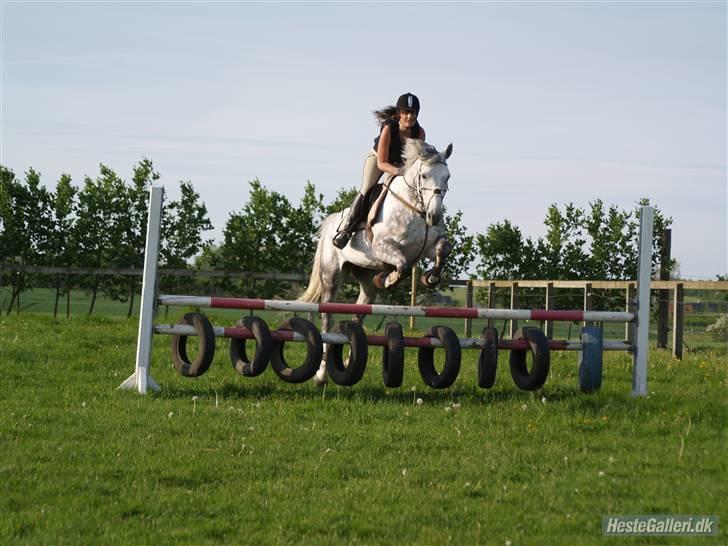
{"x":463,"y":248}
{"x":500,"y":251}
{"x":611,"y":235}
{"x":504,"y":254}
{"x":64,"y":205}
{"x":183,"y":224}
{"x":661,"y":223}
{"x":39,"y":220}
{"x":298,"y":242}
{"x":564,"y":243}
{"x":27,"y":223}
{"x":253,"y":239}
{"x":101,"y":230}
{"x":15,"y":240}
{"x":132,"y":229}
{"x":63,"y":247}
{"x":599,"y":244}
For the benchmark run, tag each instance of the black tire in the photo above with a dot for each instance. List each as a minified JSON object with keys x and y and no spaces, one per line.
{"x":488,"y":359}
{"x":314,"y":352}
{"x":352,"y":373}
{"x":263,"y":346}
{"x":453,"y":354}
{"x":205,"y":353}
{"x":393,"y":355}
{"x":525,"y":380}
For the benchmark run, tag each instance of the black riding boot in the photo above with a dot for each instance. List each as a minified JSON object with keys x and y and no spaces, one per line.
{"x":356,"y":211}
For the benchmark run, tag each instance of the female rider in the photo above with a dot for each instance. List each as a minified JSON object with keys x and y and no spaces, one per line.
{"x":398,"y":123}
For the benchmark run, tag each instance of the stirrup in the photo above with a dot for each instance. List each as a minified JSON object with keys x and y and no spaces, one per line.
{"x":341,"y":239}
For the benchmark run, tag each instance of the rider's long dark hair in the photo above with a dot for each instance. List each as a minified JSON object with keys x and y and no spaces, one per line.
{"x":385,"y":114}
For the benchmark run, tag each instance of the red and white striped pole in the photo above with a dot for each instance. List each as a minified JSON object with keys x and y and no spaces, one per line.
{"x":395,"y":310}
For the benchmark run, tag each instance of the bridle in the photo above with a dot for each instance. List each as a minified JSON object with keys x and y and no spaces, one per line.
{"x":419,"y":192}
{"x":418,"y":189}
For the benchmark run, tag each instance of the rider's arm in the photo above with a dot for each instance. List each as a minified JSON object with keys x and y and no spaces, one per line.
{"x":383,"y":163}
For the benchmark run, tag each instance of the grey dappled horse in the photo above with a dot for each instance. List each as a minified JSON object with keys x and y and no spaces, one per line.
{"x":408,"y":226}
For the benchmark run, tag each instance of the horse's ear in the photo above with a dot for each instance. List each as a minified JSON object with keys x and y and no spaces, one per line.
{"x":448,"y":151}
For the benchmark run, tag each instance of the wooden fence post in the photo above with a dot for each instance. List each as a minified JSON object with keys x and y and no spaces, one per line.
{"x":588,"y":301}
{"x":677,"y":321}
{"x":514,"y":305}
{"x":413,"y":295}
{"x":491,"y":302}
{"x":663,"y":301}
{"x":549,"y":326}
{"x":469,"y":303}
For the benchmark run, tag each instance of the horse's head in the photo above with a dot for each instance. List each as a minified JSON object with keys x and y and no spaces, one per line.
{"x":427,"y":175}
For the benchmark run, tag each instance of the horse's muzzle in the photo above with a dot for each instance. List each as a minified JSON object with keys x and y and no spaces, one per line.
{"x":433,"y":218}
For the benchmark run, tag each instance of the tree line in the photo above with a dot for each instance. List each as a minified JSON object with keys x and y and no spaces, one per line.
{"x":102,"y":224}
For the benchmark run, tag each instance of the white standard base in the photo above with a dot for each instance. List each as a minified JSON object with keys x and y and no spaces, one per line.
{"x":140,"y":382}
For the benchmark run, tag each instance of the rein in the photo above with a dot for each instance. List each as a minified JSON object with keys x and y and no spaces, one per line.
{"x":419,"y":212}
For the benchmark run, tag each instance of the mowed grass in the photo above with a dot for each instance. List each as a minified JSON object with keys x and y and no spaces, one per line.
{"x":223,"y":459}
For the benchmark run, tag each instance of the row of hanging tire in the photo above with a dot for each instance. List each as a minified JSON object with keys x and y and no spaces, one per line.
{"x":268,"y":350}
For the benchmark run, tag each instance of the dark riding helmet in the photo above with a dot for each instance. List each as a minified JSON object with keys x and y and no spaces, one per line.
{"x":408,"y":101}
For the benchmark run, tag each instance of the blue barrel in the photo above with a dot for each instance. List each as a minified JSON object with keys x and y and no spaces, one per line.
{"x":590,"y":365}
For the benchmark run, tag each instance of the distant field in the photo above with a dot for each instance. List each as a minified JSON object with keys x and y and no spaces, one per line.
{"x":224,"y":459}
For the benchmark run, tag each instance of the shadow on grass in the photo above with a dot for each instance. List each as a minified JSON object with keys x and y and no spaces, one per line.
{"x":373,"y":394}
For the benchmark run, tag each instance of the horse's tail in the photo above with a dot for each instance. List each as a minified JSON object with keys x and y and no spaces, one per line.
{"x":313,"y":290}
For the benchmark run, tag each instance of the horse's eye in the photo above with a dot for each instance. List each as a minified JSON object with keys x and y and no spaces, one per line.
{"x":425,"y":176}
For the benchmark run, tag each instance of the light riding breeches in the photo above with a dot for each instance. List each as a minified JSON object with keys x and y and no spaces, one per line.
{"x":372,"y":173}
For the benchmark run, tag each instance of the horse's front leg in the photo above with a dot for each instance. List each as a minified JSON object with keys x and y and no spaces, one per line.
{"x":438,"y":253}
{"x":389,"y":252}
{"x":367,"y":292}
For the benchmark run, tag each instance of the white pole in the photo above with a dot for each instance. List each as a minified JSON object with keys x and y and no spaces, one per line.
{"x":644,"y":278}
{"x":141,"y":379}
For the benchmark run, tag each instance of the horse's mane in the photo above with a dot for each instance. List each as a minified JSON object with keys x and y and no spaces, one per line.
{"x":415,"y":149}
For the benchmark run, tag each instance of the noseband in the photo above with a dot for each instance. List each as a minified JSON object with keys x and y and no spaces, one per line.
{"x":419,"y":190}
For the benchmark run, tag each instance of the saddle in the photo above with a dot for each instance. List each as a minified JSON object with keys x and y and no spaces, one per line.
{"x":373,"y":202}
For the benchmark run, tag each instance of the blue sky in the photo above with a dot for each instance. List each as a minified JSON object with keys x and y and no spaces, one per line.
{"x":544,"y":102}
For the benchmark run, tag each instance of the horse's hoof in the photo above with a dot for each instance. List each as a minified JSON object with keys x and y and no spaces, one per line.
{"x":320,"y":379}
{"x":379,"y":280}
{"x":392,"y":280}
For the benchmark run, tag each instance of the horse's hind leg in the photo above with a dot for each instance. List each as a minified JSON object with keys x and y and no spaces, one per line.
{"x":367,"y":294}
{"x":329,"y":287}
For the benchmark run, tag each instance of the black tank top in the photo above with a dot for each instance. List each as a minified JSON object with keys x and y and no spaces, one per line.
{"x":395,"y":143}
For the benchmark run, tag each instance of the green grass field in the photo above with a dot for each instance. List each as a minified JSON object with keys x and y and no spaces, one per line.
{"x":223,"y":459}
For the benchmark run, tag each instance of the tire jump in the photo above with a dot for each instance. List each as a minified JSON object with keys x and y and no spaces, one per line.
{"x":528,"y":345}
